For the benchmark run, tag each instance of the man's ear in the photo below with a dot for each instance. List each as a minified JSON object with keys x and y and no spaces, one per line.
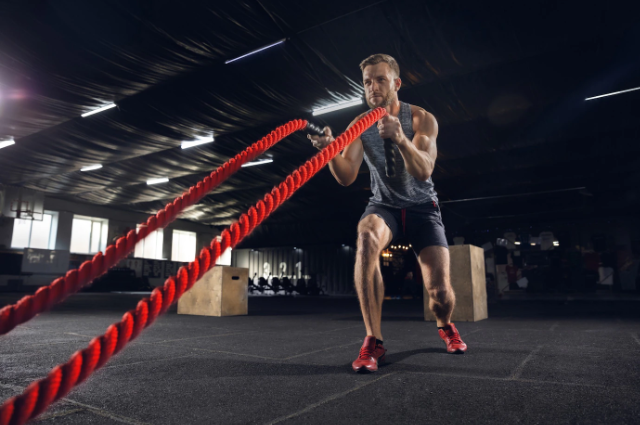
{"x":398,"y":83}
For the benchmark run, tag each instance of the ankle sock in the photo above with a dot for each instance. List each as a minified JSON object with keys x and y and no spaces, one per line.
{"x":378,"y":342}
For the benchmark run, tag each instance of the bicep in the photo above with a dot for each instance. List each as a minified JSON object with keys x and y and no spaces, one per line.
{"x":426,"y":144}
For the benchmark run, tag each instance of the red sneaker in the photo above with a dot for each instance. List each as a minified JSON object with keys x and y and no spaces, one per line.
{"x":370,"y":354}
{"x":451,"y":337}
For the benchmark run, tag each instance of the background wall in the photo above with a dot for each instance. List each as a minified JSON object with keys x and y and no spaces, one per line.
{"x":119,"y":222}
{"x":331,"y":265}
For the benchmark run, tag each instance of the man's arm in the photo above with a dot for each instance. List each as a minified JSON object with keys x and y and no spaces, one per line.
{"x":420,"y":153}
{"x":344,"y":166}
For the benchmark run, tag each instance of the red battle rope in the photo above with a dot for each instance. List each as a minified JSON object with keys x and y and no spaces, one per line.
{"x":62,"y":378}
{"x":47,"y":296}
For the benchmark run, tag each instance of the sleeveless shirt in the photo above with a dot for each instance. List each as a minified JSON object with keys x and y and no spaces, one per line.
{"x":403,"y":190}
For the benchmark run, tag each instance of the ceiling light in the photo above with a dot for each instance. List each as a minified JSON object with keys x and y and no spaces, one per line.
{"x":337,"y":106}
{"x":92,"y":167}
{"x":517,"y":243}
{"x":159,"y":180}
{"x":613,"y":93}
{"x":533,"y":244}
{"x":258,"y":162}
{"x":8,"y":142}
{"x":197,"y":142}
{"x":95,"y":111}
{"x":255,"y":51}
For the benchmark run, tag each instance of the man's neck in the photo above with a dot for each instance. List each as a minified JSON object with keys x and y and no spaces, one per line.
{"x":394,"y":108}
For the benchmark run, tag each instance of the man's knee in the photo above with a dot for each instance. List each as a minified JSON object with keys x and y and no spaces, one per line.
{"x":372,"y":235}
{"x":368,"y":242}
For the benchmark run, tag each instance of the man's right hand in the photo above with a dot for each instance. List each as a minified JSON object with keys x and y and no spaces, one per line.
{"x":321,"y":142}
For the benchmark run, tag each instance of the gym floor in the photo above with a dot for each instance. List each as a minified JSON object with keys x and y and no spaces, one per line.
{"x":288,"y":362}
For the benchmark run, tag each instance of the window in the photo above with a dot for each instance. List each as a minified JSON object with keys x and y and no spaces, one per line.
{"x":183,"y":247}
{"x":34,"y":233}
{"x":151,"y":246}
{"x":88,"y":234}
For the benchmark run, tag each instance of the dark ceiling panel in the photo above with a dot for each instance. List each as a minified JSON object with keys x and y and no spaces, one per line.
{"x":506,"y":81}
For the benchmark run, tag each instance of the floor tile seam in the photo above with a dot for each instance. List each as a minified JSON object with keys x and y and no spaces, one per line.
{"x":235,"y":354}
{"x":567,"y":383}
{"x":327,"y":400}
{"x":54,"y":342}
{"x":279,"y":359}
{"x":162,"y":359}
{"x":105,"y":413}
{"x":518,"y":370}
{"x":507,"y":379}
{"x":193,"y":338}
{"x":498,"y":330}
{"x":62,"y":414}
{"x":94,"y":409}
{"x":321,"y":350}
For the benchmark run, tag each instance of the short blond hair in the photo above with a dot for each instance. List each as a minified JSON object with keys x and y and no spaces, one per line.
{"x":378,"y":58}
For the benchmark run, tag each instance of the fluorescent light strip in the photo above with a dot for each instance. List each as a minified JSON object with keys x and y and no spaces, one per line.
{"x":156,"y":181}
{"x":95,"y":111}
{"x":200,"y":141}
{"x":91,"y":167}
{"x":613,"y":94}
{"x":5,"y":143}
{"x":337,"y":106}
{"x":259,"y":162}
{"x":256,"y":51}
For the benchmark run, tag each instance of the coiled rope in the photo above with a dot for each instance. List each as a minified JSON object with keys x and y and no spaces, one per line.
{"x":47,"y":296}
{"x":62,"y":378}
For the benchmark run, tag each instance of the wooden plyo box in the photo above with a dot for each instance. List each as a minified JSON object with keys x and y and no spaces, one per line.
{"x":469,"y":283}
{"x":222,"y":291}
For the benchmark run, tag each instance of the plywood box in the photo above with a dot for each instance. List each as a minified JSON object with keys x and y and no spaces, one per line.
{"x":222,"y":291}
{"x":468,"y":282}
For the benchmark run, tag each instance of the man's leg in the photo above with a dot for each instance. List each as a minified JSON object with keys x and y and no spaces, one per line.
{"x":373,"y":236}
{"x":434,"y":264}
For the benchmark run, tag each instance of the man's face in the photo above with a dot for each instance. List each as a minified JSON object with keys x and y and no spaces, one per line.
{"x":380,"y":85}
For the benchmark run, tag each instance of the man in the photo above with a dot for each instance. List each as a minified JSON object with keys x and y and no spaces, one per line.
{"x":405,"y":204}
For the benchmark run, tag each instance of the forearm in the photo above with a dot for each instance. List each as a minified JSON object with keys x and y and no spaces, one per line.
{"x":342,"y":170}
{"x":418,"y":163}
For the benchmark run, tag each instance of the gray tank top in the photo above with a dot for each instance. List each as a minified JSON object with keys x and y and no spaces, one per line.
{"x":403,"y":190}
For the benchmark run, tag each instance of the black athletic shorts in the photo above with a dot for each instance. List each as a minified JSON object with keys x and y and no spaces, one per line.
{"x":421,"y":224}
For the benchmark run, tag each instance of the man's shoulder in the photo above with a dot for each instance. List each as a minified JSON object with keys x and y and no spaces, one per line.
{"x":422,"y":120}
{"x":420,"y":113}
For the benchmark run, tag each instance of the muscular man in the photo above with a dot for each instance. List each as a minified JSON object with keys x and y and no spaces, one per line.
{"x":402,"y":205}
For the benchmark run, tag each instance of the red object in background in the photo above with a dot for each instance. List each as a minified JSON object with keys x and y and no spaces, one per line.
{"x":512,"y":274}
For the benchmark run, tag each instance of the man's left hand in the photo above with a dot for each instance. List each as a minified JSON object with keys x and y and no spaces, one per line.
{"x":390,"y":128}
